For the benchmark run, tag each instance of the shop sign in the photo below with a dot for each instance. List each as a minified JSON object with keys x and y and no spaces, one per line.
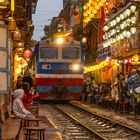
{"x":4,"y":4}
{"x":125,"y":47}
{"x":3,"y":59}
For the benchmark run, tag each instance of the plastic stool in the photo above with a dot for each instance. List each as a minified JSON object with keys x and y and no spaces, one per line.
{"x":27,"y":121}
{"x":40,"y":132}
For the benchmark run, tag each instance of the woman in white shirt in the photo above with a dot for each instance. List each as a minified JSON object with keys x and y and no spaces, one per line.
{"x":18,"y":108}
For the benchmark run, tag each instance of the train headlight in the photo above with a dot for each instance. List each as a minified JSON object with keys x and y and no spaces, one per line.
{"x":75,"y":67}
{"x":60,"y":40}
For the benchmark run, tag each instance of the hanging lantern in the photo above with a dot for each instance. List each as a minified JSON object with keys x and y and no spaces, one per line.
{"x":27,"y":53}
{"x":19,"y":50}
{"x":111,"y":62}
{"x":17,"y":35}
{"x":19,"y":44}
{"x":139,"y":56}
{"x":3,"y":4}
{"x":2,"y":0}
{"x":125,"y":61}
{"x":84,"y":40}
{"x":135,"y":58}
{"x":17,"y":58}
{"x":129,"y":60}
{"x":18,"y":70}
{"x":22,"y":61}
{"x":119,"y":62}
{"x":12,"y":24}
{"x":12,"y":5}
{"x":116,"y":62}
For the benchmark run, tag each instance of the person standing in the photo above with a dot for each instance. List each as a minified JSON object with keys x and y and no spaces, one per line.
{"x":133,"y":81}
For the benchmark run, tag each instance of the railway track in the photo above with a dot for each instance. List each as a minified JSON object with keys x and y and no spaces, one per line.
{"x":75,"y":123}
{"x":68,"y":126}
{"x":104,"y":127}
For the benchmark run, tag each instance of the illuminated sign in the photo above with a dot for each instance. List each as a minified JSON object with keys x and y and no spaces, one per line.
{"x":4,"y":4}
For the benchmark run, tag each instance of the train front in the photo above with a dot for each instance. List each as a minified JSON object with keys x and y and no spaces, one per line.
{"x":59,"y":71}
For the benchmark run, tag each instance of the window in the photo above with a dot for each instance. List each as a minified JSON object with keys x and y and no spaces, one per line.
{"x":70,"y":53}
{"x":48,"y":53}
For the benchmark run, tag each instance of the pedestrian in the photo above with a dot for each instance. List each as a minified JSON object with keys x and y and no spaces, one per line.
{"x":17,"y":89}
{"x":18,"y":107}
{"x":28,"y":95}
{"x":114,"y":95}
{"x":137,"y":97}
{"x":133,"y":81}
{"x":96,"y":95}
{"x":28,"y":79}
{"x":87,"y":84}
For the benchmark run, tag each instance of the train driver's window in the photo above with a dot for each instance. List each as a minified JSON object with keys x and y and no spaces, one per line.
{"x":48,"y":53}
{"x":70,"y":53}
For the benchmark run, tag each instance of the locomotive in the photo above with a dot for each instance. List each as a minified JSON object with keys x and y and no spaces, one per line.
{"x":59,"y":71}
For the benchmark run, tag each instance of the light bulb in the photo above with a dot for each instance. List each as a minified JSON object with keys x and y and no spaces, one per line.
{"x":114,"y":22}
{"x":124,"y":33}
{"x":121,"y":16}
{"x":122,"y":26}
{"x":128,"y":34}
{"x":133,"y":30}
{"x":128,"y":12}
{"x":133,"y":8}
{"x":118,"y":19}
{"x":133,"y":20}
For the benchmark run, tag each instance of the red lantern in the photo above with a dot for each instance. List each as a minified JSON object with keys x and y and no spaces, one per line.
{"x":125,"y":61}
{"x":129,"y":59}
{"x":27,"y":53}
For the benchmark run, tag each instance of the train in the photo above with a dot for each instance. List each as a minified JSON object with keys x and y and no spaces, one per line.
{"x":59,"y":70}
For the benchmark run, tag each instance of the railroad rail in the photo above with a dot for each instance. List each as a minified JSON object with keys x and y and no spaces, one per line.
{"x":69,"y":127}
{"x":76,"y":123}
{"x":104,"y":127}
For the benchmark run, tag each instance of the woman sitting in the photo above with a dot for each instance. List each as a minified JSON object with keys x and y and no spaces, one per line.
{"x":18,"y":108}
{"x":28,"y":96}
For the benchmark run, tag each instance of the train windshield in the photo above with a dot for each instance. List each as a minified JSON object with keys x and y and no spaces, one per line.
{"x":70,"y":53}
{"x":48,"y":53}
